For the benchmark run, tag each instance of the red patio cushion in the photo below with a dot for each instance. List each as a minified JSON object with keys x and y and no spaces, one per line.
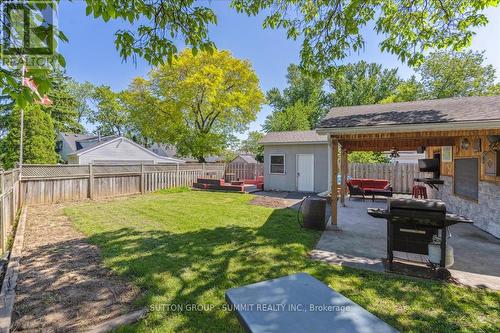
{"x":375,"y":184}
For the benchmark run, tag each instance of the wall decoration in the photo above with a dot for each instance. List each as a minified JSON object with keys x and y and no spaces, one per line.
{"x":464,"y":144}
{"x":476,"y":145}
{"x":490,"y":163}
{"x":447,"y":154}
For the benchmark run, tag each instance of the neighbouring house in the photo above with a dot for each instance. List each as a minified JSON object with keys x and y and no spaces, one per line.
{"x":461,"y":137}
{"x":87,"y":149}
{"x":244,"y":159}
{"x":296,"y":161}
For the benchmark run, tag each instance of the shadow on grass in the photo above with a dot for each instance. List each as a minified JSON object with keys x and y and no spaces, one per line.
{"x":197,"y":267}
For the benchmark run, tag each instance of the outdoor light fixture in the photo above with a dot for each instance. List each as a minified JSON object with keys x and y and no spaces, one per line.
{"x":394,"y":153}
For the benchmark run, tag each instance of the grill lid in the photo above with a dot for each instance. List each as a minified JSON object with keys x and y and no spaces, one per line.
{"x":417,"y":204}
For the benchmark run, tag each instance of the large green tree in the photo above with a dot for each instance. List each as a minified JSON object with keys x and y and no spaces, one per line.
{"x":303,"y":88}
{"x":329,"y":29}
{"x":63,"y":109}
{"x":456,"y":74}
{"x":197,"y":103}
{"x":82,"y":93}
{"x":110,"y":115}
{"x":292,"y":118}
{"x":362,"y":83}
{"x":39,"y":138}
{"x":251,"y":145}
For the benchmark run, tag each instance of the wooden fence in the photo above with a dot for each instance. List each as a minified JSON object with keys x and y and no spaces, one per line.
{"x":58,"y":183}
{"x":236,"y":171}
{"x":400,"y":175}
{"x":9,"y":204}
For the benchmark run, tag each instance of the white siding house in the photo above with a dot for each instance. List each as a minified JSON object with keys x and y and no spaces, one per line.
{"x":110,"y":150}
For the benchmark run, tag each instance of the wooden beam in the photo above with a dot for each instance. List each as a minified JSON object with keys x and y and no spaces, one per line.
{"x":400,"y":144}
{"x":333,"y":187}
{"x":343,"y":175}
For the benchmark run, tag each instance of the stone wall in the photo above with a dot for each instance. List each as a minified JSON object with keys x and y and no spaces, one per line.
{"x":485,"y":213}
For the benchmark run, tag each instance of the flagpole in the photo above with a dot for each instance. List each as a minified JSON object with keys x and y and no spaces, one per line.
{"x":21,"y":145}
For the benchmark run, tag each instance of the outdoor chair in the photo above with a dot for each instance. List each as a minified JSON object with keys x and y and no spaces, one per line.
{"x":355,"y":190}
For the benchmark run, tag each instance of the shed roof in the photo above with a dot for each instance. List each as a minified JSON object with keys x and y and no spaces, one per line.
{"x":446,"y":110}
{"x":293,"y":137}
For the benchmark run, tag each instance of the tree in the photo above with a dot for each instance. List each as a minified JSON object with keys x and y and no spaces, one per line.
{"x":362,"y":83}
{"x":111,"y":115}
{"x":332,"y":30}
{"x":303,"y":88}
{"x":406,"y":91}
{"x":293,"y":118}
{"x":63,"y":108}
{"x":82,"y":94}
{"x":199,"y":102}
{"x":456,"y":74}
{"x":367,"y":157}
{"x":251,"y":145}
{"x":39,"y":138}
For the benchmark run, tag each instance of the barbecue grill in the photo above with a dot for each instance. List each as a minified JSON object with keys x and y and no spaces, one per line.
{"x":412,"y":224}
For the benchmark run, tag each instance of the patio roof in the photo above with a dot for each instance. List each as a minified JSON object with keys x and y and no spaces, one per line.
{"x":464,"y":110}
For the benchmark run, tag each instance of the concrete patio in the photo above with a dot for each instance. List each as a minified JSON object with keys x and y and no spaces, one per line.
{"x":360,"y":241}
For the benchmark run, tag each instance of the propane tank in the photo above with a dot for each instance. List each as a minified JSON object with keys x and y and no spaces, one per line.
{"x":435,"y":252}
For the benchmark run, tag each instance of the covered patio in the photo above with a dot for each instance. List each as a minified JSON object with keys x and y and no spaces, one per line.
{"x":361,"y":243}
{"x":463,"y":136}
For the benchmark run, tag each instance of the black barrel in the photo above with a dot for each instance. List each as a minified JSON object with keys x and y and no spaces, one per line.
{"x":313,"y":213}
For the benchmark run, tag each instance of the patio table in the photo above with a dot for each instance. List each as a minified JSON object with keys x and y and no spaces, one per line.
{"x":300,"y":303}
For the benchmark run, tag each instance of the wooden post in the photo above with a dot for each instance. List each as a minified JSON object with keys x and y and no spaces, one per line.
{"x":335,"y":171}
{"x":91,"y":182}
{"x":3,"y":226}
{"x":142,"y":179}
{"x":343,"y":175}
{"x":177,"y":176}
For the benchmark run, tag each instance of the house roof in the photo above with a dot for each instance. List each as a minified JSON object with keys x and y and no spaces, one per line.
{"x":446,"y":110}
{"x":72,"y":138}
{"x":247,"y":158}
{"x":106,"y":140}
{"x":293,"y":137}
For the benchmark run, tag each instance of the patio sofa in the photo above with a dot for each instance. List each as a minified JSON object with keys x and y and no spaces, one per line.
{"x":371,"y":187}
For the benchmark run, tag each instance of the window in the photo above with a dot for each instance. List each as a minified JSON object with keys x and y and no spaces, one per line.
{"x":277,"y":164}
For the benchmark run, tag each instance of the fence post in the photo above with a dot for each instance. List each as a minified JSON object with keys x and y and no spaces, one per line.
{"x":142,"y":178}
{"x":91,"y":182}
{"x":2,"y":181}
{"x":203,"y":170}
{"x":177,"y":175}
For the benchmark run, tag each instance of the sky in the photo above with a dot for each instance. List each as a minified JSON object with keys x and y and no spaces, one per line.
{"x":91,"y":55}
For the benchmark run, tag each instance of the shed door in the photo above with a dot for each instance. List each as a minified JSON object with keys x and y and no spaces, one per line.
{"x":305,"y":172}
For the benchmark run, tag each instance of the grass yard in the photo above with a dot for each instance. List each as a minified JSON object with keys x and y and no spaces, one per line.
{"x":189,"y":247}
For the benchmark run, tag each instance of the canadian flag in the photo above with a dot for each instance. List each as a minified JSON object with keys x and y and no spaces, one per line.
{"x":28,"y":82}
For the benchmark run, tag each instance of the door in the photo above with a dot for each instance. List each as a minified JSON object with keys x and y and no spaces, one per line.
{"x":305,"y":172}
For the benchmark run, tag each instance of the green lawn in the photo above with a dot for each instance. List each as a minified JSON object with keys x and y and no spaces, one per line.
{"x":189,"y":247}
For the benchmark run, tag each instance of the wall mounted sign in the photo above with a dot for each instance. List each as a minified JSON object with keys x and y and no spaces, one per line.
{"x":490,"y":163}
{"x":447,"y":154}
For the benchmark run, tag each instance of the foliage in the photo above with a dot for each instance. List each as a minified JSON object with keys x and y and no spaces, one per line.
{"x":367,"y":157}
{"x":38,"y":140}
{"x":197,"y":103}
{"x":406,"y":91}
{"x":362,"y":83}
{"x":83,"y":94}
{"x":331,"y":30}
{"x":456,"y":74}
{"x":303,"y":88}
{"x":111,"y":115}
{"x":292,"y":118}
{"x":12,"y":63}
{"x":63,"y":108}
{"x":251,"y":145}
{"x":191,"y":247}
